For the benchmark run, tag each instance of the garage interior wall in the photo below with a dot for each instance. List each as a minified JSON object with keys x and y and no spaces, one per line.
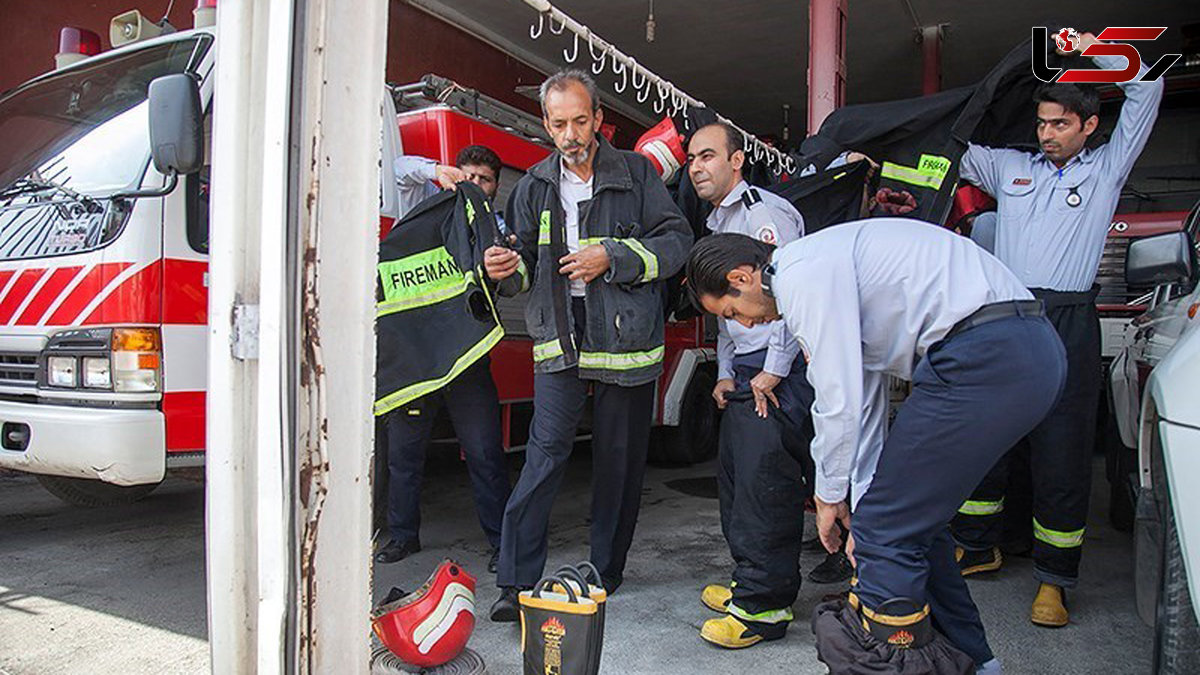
{"x":418,"y":43}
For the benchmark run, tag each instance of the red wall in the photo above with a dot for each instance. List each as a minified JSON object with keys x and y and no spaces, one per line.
{"x":418,"y":43}
{"x":30,"y":29}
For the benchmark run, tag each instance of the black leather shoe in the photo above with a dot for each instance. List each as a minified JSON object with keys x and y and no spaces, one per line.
{"x":494,"y":561}
{"x":836,"y":568}
{"x":395,"y":552}
{"x":507,"y":607}
{"x":611,"y":584}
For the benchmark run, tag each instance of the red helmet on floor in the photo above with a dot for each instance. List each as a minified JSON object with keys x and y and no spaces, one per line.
{"x":430,"y":626}
{"x":663,"y":147}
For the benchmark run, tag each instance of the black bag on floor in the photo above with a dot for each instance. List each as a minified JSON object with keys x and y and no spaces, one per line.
{"x":560,"y":629}
{"x":848,"y":649}
{"x":586,"y":578}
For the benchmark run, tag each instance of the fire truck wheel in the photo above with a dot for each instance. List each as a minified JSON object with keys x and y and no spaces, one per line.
{"x":91,"y":493}
{"x":695,"y":439}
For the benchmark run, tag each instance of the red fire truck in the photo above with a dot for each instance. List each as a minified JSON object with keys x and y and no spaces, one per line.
{"x":103,"y":275}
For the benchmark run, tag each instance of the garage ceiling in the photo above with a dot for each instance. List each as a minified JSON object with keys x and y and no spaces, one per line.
{"x":747,"y":59}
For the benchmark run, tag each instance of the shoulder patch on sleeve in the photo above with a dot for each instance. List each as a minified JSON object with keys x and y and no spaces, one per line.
{"x":767,"y":235}
{"x":751,"y":197}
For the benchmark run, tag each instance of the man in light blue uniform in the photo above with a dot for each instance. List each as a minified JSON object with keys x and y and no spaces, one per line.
{"x":761,"y":502}
{"x":1054,"y":210}
{"x":471,"y":398}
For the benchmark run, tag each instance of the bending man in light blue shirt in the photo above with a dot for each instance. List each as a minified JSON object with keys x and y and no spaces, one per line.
{"x":885,"y":297}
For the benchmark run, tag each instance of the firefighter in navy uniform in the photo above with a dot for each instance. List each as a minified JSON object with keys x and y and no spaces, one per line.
{"x":598,"y":233}
{"x":470,"y":399}
{"x":761,"y":504}
{"x":894,"y":297}
{"x":1054,"y":210}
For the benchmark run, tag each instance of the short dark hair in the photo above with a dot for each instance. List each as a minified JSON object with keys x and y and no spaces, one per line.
{"x":1082,"y":100}
{"x":563,"y":79}
{"x":479,"y":155}
{"x":733,"y":138}
{"x":715,"y":256}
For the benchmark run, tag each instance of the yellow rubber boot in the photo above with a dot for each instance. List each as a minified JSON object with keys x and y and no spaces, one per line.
{"x":1049,"y":607}
{"x":729,"y":632}
{"x":716,"y":597}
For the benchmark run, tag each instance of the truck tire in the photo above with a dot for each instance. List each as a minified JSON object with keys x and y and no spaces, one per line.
{"x":695,"y":439}
{"x":92,"y":493}
{"x":1176,"y":633}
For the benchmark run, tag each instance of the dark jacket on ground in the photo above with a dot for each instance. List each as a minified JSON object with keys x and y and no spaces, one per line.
{"x":647,"y":240}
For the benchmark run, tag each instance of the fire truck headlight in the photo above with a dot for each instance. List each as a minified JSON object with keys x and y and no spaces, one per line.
{"x":136,"y":359}
{"x":97,"y":372}
{"x":62,"y":371}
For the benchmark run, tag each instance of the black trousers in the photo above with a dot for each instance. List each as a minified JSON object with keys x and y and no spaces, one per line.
{"x":474,"y":408}
{"x":1060,"y":455}
{"x":974,"y":394}
{"x":621,"y":418}
{"x":761,"y":489}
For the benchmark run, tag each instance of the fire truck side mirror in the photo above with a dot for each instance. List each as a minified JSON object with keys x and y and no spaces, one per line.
{"x":176,"y":131}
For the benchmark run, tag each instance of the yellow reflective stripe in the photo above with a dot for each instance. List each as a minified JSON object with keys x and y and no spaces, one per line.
{"x":981,"y":508}
{"x":626,"y":361}
{"x":431,"y":298}
{"x":769,"y":616}
{"x":415,"y":391}
{"x":649,"y":260}
{"x":470,"y":212}
{"x":588,"y":241}
{"x":1072,"y":539}
{"x":547,"y":350}
{"x":524,"y":272}
{"x":544,"y":229}
{"x":418,"y":275}
{"x":930,"y":171}
{"x":892,"y":619}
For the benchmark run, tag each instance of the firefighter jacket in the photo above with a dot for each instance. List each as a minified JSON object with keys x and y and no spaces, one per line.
{"x":633,"y":217}
{"x":434,"y":318}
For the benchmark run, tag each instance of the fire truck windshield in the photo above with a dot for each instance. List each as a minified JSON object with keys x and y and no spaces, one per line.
{"x":70,"y":139}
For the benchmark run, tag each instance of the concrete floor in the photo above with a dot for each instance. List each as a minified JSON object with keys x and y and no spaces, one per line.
{"x":122,"y":590}
{"x":117,"y":590}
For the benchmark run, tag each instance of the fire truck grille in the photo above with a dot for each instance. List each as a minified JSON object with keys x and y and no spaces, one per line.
{"x":18,"y":369}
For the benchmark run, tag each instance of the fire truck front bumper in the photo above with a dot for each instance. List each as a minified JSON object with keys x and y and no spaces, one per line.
{"x":120,"y":446}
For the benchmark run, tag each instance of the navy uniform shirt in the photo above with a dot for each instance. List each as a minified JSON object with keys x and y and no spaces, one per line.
{"x":772,"y":219}
{"x":1053,"y":222}
{"x":866,"y":300}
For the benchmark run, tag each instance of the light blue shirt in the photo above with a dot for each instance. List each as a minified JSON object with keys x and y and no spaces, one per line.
{"x":415,"y":178}
{"x":414,"y":181}
{"x":772,"y":219}
{"x":1053,"y":222}
{"x":983,"y":231}
{"x":866,"y":300}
